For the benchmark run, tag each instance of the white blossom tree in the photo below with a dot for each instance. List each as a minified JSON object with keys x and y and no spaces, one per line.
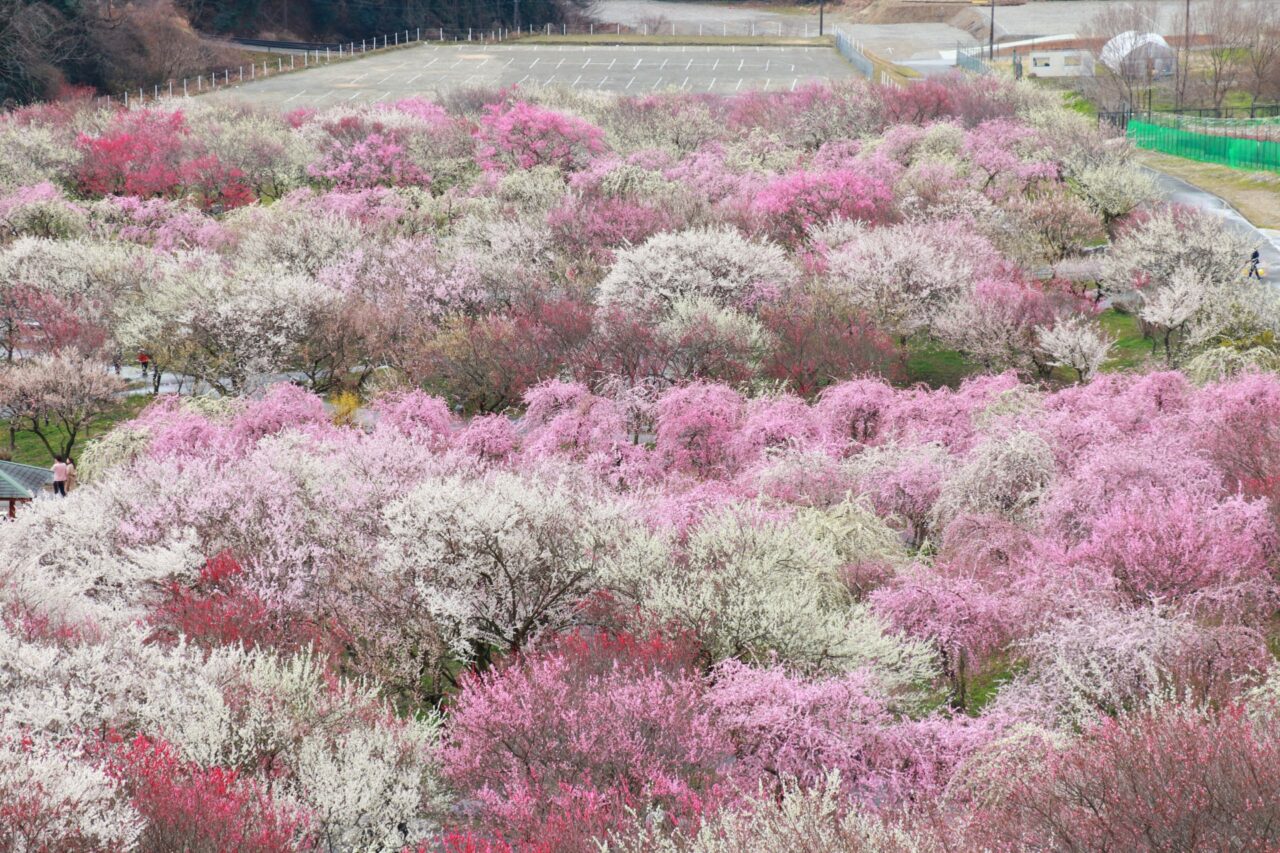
{"x":716,"y":263}
{"x":903,"y":276}
{"x":1075,"y":343}
{"x":493,"y":562}
{"x":55,"y":397}
{"x":1148,"y":254}
{"x":1169,"y":309}
{"x":223,"y":327}
{"x":751,"y":588}
{"x":1112,"y":187}
{"x":1004,"y":477}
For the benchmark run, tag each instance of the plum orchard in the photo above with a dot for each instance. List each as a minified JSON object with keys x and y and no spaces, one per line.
{"x":689,"y":573}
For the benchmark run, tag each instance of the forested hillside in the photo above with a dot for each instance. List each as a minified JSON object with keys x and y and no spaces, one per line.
{"x":50,"y":46}
{"x":348,"y":19}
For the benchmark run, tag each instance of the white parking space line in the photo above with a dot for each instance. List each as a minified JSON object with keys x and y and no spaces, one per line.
{"x":444,"y":64}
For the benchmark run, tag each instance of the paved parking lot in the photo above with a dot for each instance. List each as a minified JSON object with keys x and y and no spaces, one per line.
{"x":429,"y":69}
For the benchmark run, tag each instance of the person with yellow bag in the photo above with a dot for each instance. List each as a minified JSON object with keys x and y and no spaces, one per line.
{"x":1255,"y":269}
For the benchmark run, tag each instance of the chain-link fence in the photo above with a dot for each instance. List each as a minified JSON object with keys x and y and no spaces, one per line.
{"x":972,"y":59}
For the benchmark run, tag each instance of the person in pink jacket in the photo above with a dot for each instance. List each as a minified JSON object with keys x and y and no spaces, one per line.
{"x":60,"y":470}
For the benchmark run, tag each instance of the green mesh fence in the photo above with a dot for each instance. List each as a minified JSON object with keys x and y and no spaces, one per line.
{"x":1218,"y":147}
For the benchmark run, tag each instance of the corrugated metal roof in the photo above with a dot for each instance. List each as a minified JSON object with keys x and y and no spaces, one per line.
{"x":11,"y":488}
{"x":22,"y":481}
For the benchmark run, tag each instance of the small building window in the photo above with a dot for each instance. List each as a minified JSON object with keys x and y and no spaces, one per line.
{"x":1040,"y":62}
{"x":1071,"y":60}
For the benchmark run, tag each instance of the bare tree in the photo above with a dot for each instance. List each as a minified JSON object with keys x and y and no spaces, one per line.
{"x":1230,"y":25}
{"x":35,"y":39}
{"x":1127,"y":84}
{"x":1182,"y":68}
{"x":1262,"y":57}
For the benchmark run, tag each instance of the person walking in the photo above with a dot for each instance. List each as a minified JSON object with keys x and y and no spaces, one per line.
{"x":1254,"y":261}
{"x":59,"y":476}
{"x":71,"y":474}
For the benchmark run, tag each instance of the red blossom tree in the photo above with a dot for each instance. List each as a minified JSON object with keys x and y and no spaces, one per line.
{"x":204,"y":810}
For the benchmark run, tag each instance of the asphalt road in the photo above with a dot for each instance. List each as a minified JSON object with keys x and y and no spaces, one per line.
{"x":688,"y":17}
{"x":429,"y":69}
{"x":1181,"y":192}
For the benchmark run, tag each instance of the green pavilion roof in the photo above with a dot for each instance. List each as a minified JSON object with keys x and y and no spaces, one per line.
{"x":22,"y":481}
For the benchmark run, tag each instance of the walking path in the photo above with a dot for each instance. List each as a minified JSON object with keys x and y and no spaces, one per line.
{"x":1179,"y":191}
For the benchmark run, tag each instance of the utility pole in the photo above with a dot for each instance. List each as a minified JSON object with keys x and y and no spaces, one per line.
{"x":991,"y":38}
{"x":821,"y":8}
{"x":1185,"y":71}
{"x":515,"y":13}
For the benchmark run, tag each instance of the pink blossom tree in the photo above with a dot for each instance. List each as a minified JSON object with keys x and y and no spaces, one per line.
{"x":522,"y":135}
{"x":585,"y":729}
{"x":1166,"y":778}
{"x":790,"y":206}
{"x":696,"y":426}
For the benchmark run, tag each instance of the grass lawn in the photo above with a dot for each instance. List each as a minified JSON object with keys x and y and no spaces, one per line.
{"x":1079,"y":103}
{"x":984,"y":686}
{"x":1255,"y":194}
{"x":1131,"y":350}
{"x":936,"y":366}
{"x":29,"y":450}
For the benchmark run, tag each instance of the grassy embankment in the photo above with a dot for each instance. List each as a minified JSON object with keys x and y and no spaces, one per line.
{"x":29,"y":450}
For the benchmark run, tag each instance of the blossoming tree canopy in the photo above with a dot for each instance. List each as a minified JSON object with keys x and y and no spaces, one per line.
{"x":557,"y":477}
